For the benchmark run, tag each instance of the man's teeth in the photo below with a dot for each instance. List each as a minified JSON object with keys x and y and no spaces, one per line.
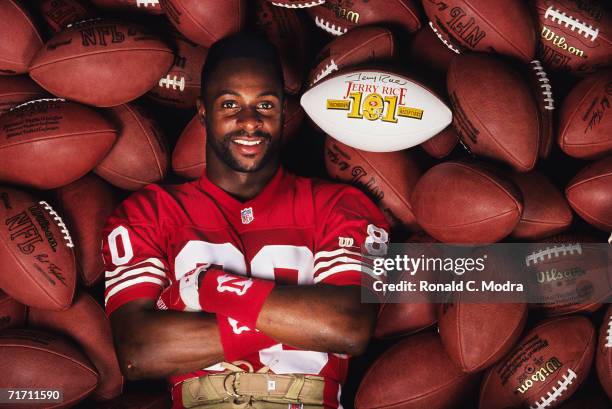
{"x":247,"y":143}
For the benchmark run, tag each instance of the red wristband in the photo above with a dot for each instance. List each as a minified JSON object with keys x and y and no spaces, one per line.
{"x":240,"y":341}
{"x":238,"y":297}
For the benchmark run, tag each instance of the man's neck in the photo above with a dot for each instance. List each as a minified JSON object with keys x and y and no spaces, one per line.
{"x":242,"y":185}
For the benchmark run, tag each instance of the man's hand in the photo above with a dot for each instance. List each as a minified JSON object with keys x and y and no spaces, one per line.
{"x":183,"y":295}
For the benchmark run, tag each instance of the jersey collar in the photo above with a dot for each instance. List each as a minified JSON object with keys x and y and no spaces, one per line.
{"x":262,"y":199}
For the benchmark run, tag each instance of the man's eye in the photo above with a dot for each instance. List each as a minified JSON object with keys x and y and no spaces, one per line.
{"x":229,"y":105}
{"x":266,"y":105}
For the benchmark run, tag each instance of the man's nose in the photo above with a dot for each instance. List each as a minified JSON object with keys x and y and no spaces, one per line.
{"x":249,"y":120}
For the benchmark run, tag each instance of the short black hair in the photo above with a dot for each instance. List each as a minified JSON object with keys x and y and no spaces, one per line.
{"x":241,"y":45}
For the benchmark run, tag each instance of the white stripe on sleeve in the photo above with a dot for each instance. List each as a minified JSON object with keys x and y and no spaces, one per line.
{"x":343,"y":268}
{"x":129,"y":283}
{"x":155,"y":261}
{"x":135,"y":272}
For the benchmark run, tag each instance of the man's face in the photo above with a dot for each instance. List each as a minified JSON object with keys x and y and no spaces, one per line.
{"x":244,"y":113}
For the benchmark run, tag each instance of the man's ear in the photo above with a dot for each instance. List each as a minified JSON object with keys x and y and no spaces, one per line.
{"x":201,"y":110}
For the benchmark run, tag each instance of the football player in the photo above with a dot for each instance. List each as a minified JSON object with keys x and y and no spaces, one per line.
{"x":243,"y":287}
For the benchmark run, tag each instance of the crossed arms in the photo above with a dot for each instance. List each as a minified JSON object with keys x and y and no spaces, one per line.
{"x":156,"y":344}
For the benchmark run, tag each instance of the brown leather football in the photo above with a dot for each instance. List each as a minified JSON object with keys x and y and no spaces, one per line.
{"x":569,"y":273}
{"x":336,"y":17}
{"x":498,"y":118}
{"x":603,"y":359}
{"x":427,"y":49}
{"x":544,"y":369}
{"x":85,"y":205}
{"x":574,"y":36}
{"x":401,"y":319}
{"x":590,"y":194}
{"x":51,"y":142}
{"x":477,"y":335}
{"x":102,"y":63}
{"x":415,"y":373}
{"x":189,"y":155}
{"x":206,"y":21}
{"x":545,"y":209}
{"x":442,"y":144}
{"x":459,"y":202}
{"x":181,"y":86}
{"x":294,"y":116}
{"x":37,"y":256}
{"x":16,"y":90}
{"x":358,"y":46}
{"x":387,"y":177}
{"x":86,"y":323}
{"x":483,"y":25}
{"x":19,"y":39}
{"x":585,"y":129}
{"x":40,"y":360}
{"x":140,"y":155}
{"x":286,"y":30}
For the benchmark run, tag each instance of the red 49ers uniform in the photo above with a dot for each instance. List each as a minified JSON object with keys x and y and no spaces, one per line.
{"x":296,"y":231}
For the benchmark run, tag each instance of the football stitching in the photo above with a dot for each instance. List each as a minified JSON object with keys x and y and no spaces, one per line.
{"x":329,"y":27}
{"x":172,"y":82}
{"x":556,"y":251}
{"x":446,"y":42}
{"x":556,"y":392}
{"x":300,"y":5}
{"x":557,"y":16}
{"x":59,"y":222}
{"x":81,"y":22}
{"x":545,"y":87}
{"x":329,"y":68}
{"x":609,"y":337}
{"x":147,"y":3}
{"x":36,"y":101}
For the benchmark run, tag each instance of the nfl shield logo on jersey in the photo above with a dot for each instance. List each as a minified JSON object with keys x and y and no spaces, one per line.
{"x":246,"y":215}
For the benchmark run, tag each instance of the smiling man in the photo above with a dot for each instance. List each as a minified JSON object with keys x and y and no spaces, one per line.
{"x":242,"y":287}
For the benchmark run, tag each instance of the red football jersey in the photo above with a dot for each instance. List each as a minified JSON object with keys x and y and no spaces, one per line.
{"x":296,"y":231}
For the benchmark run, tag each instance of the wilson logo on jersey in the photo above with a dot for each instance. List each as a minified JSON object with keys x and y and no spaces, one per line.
{"x":247,"y":215}
{"x":232,"y":284}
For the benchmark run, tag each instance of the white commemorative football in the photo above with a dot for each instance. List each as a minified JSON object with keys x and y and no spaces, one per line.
{"x":375,"y":110}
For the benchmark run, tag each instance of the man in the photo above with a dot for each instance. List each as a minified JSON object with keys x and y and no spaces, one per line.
{"x":267,"y":264}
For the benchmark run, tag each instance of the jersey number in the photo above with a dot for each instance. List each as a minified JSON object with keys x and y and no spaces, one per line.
{"x":121,"y":233}
{"x":264,"y":264}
